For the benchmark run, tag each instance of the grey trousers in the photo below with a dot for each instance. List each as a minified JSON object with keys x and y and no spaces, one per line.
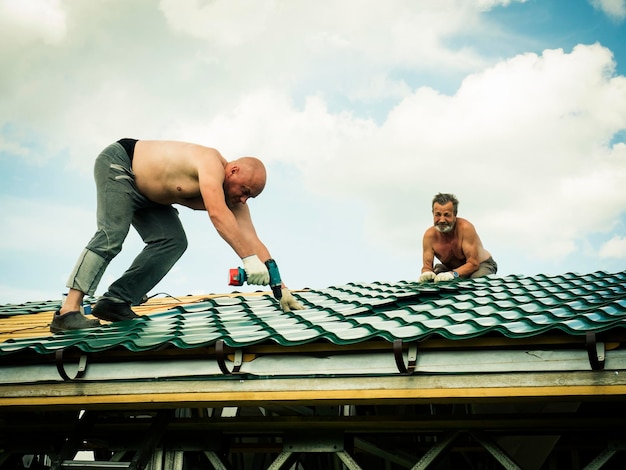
{"x":120,"y":205}
{"x":489,"y":266}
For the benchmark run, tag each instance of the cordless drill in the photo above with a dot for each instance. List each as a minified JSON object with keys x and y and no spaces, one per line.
{"x":237,"y":276}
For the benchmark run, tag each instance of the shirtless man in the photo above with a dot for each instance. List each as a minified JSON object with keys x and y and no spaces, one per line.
{"x":455,"y":243}
{"x":137,"y":183}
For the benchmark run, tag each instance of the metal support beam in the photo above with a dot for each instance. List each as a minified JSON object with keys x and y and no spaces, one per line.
{"x":391,"y":455}
{"x":144,"y":456}
{"x":313,"y":443}
{"x":347,"y":460}
{"x":173,"y":460}
{"x":280,"y":460}
{"x":495,"y":450}
{"x":215,"y":460}
{"x":156,"y":460}
{"x":602,"y":458}
{"x":68,"y":451}
{"x":435,"y":451}
{"x":155,"y":433}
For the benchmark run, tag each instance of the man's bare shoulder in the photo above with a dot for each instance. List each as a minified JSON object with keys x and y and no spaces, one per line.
{"x":464,"y":225}
{"x":430,"y":233}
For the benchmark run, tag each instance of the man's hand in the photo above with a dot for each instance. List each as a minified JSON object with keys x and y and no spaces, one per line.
{"x":427,"y":276}
{"x":256,"y":272}
{"x":288,"y":302}
{"x":445,"y":277}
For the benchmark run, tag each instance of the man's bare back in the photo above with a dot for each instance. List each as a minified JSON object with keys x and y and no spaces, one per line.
{"x":167,"y":172}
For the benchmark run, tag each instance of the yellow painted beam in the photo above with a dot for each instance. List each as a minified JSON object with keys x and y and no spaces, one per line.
{"x":316,"y":397}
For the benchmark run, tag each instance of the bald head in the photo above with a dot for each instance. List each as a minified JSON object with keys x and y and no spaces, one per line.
{"x":244,"y":178}
{"x":253,"y":168}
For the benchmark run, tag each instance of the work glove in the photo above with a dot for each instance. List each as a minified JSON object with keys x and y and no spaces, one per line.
{"x":445,"y":277}
{"x":256,"y":272}
{"x":288,"y":302}
{"x":427,"y":276}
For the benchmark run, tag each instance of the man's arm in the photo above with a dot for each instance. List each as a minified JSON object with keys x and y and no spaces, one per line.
{"x":242,"y":214}
{"x":195,"y":203}
{"x":470,"y":245}
{"x":428,"y":253}
{"x":211,"y":180}
{"x":428,"y":258}
{"x":241,"y":240}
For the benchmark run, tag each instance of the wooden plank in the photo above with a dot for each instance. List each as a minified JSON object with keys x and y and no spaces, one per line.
{"x":35,"y":325}
{"x":357,"y":390}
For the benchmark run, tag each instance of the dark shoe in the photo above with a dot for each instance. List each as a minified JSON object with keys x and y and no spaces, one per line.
{"x":71,"y":321}
{"x":106,"y":309}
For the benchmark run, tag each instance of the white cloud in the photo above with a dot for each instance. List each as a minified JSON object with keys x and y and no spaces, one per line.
{"x":488,"y":4}
{"x":615,"y":9}
{"x":529,"y":143}
{"x":25,"y":19}
{"x":614,"y":248}
{"x":521,"y":138}
{"x":18,"y":295}
{"x":213,"y":21}
{"x":107,"y":84}
{"x":37,"y":226}
{"x":299,"y":35}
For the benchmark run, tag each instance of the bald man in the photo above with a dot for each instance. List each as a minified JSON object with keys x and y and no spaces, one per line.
{"x":137,"y":182}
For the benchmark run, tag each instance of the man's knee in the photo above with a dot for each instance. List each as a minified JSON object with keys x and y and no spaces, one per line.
{"x":106,"y":245}
{"x":485,"y":269}
{"x":440,"y":268}
{"x":178,"y":245}
{"x":479,"y":273}
{"x":182,"y":244}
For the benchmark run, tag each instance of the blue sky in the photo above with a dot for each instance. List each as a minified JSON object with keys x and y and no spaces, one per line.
{"x":361,"y":110}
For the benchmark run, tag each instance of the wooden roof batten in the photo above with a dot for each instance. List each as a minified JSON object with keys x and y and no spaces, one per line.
{"x":240,"y":391}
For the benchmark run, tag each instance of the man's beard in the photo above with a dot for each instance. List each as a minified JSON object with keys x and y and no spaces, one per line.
{"x":444,"y":228}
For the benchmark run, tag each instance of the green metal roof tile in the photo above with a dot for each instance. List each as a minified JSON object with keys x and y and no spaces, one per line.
{"x":540,"y":319}
{"x":380,"y":323}
{"x":34,"y":307}
{"x":509,"y":315}
{"x":575,"y":325}
{"x":461,"y":317}
{"x":196,"y":339}
{"x":615,"y":310}
{"x":597,"y":318}
{"x":520,"y":328}
{"x":513,"y":306}
{"x":343,"y":335}
{"x":487,"y":322}
{"x":436,"y":323}
{"x":406,"y":332}
{"x":465,"y":330}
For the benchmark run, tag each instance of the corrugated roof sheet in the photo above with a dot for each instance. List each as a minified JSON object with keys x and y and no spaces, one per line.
{"x":512,"y":306}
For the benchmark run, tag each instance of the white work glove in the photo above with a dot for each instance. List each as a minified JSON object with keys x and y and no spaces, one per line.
{"x":445,"y":277}
{"x":427,"y":276}
{"x":256,"y":272}
{"x":288,"y":302}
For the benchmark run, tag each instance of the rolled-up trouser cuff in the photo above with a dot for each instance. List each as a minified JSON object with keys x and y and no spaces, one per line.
{"x":87,"y":273}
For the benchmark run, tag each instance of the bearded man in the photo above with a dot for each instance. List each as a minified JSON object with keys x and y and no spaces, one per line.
{"x":455,"y":242}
